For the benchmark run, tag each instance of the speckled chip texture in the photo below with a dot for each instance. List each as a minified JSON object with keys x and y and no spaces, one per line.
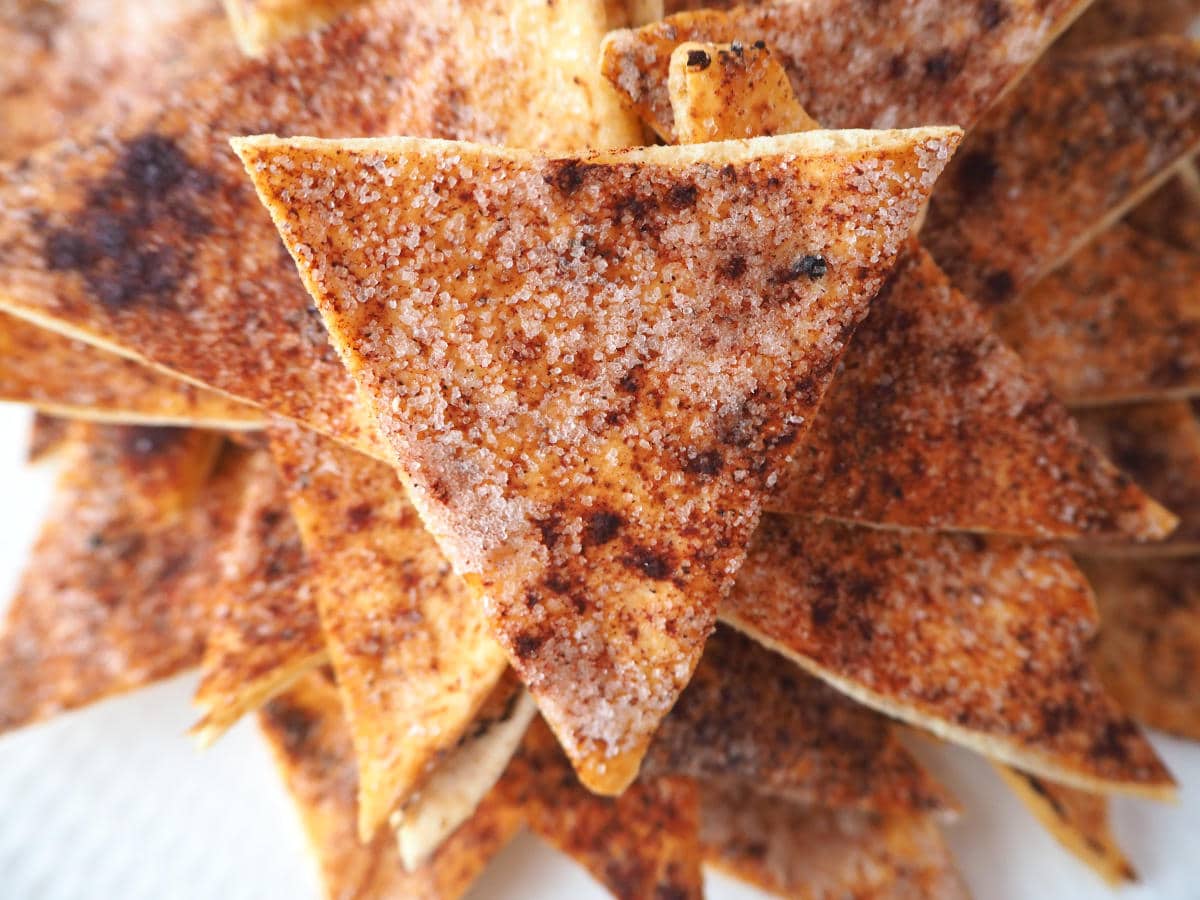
{"x":147,"y":235}
{"x":47,"y":435}
{"x":52,"y":372}
{"x":933,"y":422}
{"x":1158,"y":446}
{"x":114,"y":595}
{"x":644,"y":843}
{"x":1148,"y":650}
{"x":312,"y":747}
{"x":1120,"y":321}
{"x":982,"y":641}
{"x":749,"y":716}
{"x":1078,"y":820}
{"x":591,"y":369}
{"x":264,"y":630}
{"x":856,"y":63}
{"x":1172,"y":213}
{"x":1113,"y":21}
{"x":410,"y":644}
{"x":727,"y":91}
{"x":1019,"y":200}
{"x":258,"y":24}
{"x":791,"y":850}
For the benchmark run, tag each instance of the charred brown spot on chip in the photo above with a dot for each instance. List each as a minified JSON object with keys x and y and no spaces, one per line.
{"x":602,"y":527}
{"x":698,"y":59}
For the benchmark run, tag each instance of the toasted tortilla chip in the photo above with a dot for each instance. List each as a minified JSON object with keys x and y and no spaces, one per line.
{"x":114,"y":594}
{"x":258,"y":24}
{"x":1018,"y":201}
{"x":1077,"y":820}
{"x":554,"y":422}
{"x":1148,"y":649}
{"x":811,"y":853}
{"x":450,"y":796}
{"x":1158,"y":446}
{"x":1114,"y":21}
{"x":982,"y":641}
{"x":410,"y":643}
{"x":644,"y":843}
{"x":856,"y":63}
{"x":728,"y":91}
{"x":313,"y":750}
{"x":47,"y":436}
{"x":265,"y":632}
{"x":934,"y":423}
{"x":1172,"y":213}
{"x":70,"y":378}
{"x":73,"y":64}
{"x":749,"y":716}
{"x":224,"y":306}
{"x":1119,"y":322}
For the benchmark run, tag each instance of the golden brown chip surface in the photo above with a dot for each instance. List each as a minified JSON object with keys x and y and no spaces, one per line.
{"x":752,"y":717}
{"x":856,"y":63}
{"x":934,"y":423}
{"x":1113,"y":21}
{"x":47,"y":435}
{"x":982,"y":641}
{"x":1077,"y":820}
{"x":1018,"y":200}
{"x":258,"y":24}
{"x":264,"y":631}
{"x":812,"y":854}
{"x":578,"y":373}
{"x":114,"y":595}
{"x":198,"y":281}
{"x":1120,"y":321}
{"x":1172,"y":213}
{"x":1148,"y":648}
{"x":409,"y":642}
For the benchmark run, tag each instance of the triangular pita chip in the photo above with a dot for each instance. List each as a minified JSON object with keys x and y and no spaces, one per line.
{"x":1172,"y":213}
{"x":70,"y":378}
{"x":934,"y":423}
{"x":811,"y":853}
{"x":264,"y":630}
{"x":1120,"y":321}
{"x":410,"y":643}
{"x":644,"y":843}
{"x":1158,"y":446}
{"x":47,"y":435}
{"x":466,"y":775}
{"x":1018,"y":201}
{"x":147,"y":236}
{"x":982,"y":641}
{"x":312,"y":748}
{"x":76,"y":63}
{"x":749,"y":716}
{"x":856,"y":63}
{"x":114,"y":595}
{"x":1149,"y":642}
{"x":1113,"y":21}
{"x":613,"y":371}
{"x":1077,"y":820}
{"x":258,"y":24}
{"x":727,"y":91}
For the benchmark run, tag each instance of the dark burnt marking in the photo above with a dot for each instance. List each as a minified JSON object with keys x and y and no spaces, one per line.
{"x":651,"y":564}
{"x":527,"y":644}
{"x":706,"y":463}
{"x":123,"y":241}
{"x":682,"y":196}
{"x":897,"y":66}
{"x":823,"y":612}
{"x":1111,"y":742}
{"x":1042,"y":791}
{"x":359,"y":516}
{"x":567,"y":175}
{"x":632,"y":206}
{"x":991,"y":14}
{"x":601,"y":527}
{"x":733,"y":268}
{"x":698,"y":60}
{"x":631,"y":381}
{"x":977,"y":173}
{"x":294,"y":724}
{"x":551,"y":528}
{"x":150,"y":440}
{"x":940,"y":66}
{"x":811,"y":265}
{"x":998,"y":287}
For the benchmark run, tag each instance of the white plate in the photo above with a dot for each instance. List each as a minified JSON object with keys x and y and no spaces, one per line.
{"x":115,"y":801}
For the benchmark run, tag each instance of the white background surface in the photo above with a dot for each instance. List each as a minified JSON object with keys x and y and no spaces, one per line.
{"x":116,"y":802}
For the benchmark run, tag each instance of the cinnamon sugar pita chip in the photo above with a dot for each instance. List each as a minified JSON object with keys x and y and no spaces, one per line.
{"x":1148,"y":648}
{"x":1113,"y":21}
{"x":1077,"y":820}
{"x":57,"y":374}
{"x":409,"y":642}
{"x":1172,"y":213}
{"x":1019,"y":200}
{"x":791,"y":850}
{"x":312,"y":748}
{"x":855,"y":63}
{"x":258,"y":24}
{"x":556,"y":385}
{"x":264,"y":629}
{"x":199,"y":283}
{"x":1120,"y":321}
{"x":749,"y":716}
{"x":114,"y":594}
{"x":1158,"y":446}
{"x":982,"y":641}
{"x":47,"y":435}
{"x":934,"y":423}
{"x":727,"y":91}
